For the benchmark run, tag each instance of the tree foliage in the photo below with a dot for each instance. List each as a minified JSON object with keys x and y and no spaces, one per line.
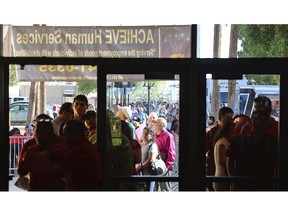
{"x":263,"y":41}
{"x":140,"y":92}
{"x":262,"y":79}
{"x":12,"y":76}
{"x":86,"y":88}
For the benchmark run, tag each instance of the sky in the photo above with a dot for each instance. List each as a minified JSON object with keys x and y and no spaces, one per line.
{"x":148,"y":12}
{"x":129,"y":13}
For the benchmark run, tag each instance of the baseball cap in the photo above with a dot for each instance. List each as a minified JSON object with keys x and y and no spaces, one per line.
{"x":88,"y":115}
{"x":137,"y":118}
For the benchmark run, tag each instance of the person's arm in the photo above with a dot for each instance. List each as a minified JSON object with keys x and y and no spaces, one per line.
{"x":23,"y":167}
{"x":222,"y":157}
{"x":229,"y":166}
{"x":171,"y":152}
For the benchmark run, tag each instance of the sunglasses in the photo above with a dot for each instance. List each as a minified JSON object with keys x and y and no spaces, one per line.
{"x":44,"y":120}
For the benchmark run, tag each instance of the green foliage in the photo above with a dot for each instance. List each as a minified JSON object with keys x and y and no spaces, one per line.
{"x":257,"y":79}
{"x":86,"y":87}
{"x":140,"y":92}
{"x":12,"y":75}
{"x":263,"y":41}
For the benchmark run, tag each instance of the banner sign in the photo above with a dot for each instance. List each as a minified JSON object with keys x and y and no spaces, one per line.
{"x":94,"y":42}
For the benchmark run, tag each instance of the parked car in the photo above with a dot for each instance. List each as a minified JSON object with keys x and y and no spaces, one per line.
{"x":19,"y":112}
{"x":15,"y":99}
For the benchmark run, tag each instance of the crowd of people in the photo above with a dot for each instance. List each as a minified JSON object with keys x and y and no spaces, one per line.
{"x":63,"y":153}
{"x":243,"y":146}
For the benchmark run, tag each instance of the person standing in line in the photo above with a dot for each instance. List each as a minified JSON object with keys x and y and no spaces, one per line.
{"x":151,"y":119}
{"x":128,"y":129}
{"x":65,"y":113}
{"x":222,"y":140}
{"x":85,"y":164}
{"x":80,"y":106}
{"x":224,"y":114}
{"x":32,"y":142}
{"x":264,"y":104}
{"x":45,"y":162}
{"x":28,"y":131}
{"x":142,"y":115}
{"x":210,"y":122}
{"x":90,"y":121}
{"x":139,"y":126}
{"x":166,"y":146}
{"x":149,"y":154}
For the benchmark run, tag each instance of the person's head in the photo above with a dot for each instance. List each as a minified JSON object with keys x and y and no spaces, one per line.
{"x":74,"y":131}
{"x":242,"y":125}
{"x":91,"y":107}
{"x":136,"y":121}
{"x":66,"y":111}
{"x":263,"y":103}
{"x":14,"y":131}
{"x":148,"y":135}
{"x":42,"y":117}
{"x":162,"y":115}
{"x":160,"y":125}
{"x":152,"y":118}
{"x":44,"y":132}
{"x":39,"y":117}
{"x":260,"y":119}
{"x":89,"y":119}
{"x":211,"y":120}
{"x":141,"y":110}
{"x":224,"y":114}
{"x":224,"y":131}
{"x":28,"y":129}
{"x":80,"y":106}
{"x":124,"y":113}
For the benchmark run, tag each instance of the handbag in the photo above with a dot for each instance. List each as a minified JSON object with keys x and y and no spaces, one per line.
{"x":22,"y":183}
{"x":158,"y":167}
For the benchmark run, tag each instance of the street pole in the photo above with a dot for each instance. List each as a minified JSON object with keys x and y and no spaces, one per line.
{"x":149,"y":85}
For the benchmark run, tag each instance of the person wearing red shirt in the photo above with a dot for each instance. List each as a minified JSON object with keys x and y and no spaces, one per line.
{"x":85,"y":166}
{"x":264,"y":104}
{"x":45,"y":162}
{"x":32,"y":141}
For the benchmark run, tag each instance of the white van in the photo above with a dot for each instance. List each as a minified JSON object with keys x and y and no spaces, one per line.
{"x":15,"y":99}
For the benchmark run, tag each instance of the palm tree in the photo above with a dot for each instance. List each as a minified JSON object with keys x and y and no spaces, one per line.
{"x":233,"y":54}
{"x":215,"y":104}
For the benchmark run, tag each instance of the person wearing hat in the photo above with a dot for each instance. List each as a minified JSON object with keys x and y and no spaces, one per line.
{"x":263,"y":105}
{"x":125,"y":113}
{"x":89,"y":119}
{"x":139,"y":126}
{"x":32,"y":142}
{"x":128,"y":129}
